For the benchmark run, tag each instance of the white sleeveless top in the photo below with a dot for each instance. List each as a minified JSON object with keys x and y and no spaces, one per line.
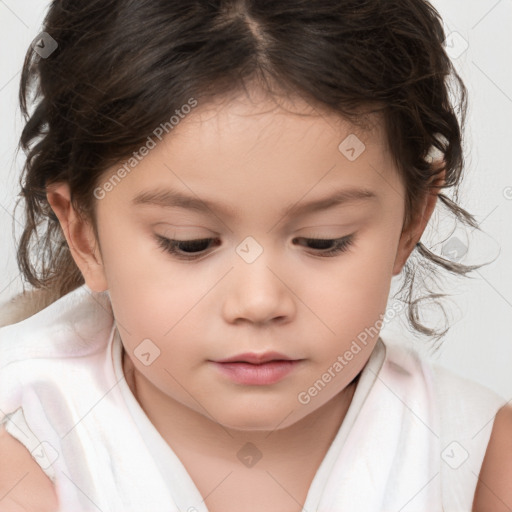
{"x":413,"y":438}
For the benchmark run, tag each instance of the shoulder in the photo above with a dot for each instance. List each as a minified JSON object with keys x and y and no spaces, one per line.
{"x":55,"y":352}
{"x":493,"y":491}
{"x":475,"y":422}
{"x":74,"y":325}
{"x":466,"y":409}
{"x":463,"y":393}
{"x":25,"y":305}
{"x":475,"y":436}
{"x":452,"y":392}
{"x":23,"y":484}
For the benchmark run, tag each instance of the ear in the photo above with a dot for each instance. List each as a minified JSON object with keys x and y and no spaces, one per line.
{"x":79,"y":235}
{"x":412,"y":233}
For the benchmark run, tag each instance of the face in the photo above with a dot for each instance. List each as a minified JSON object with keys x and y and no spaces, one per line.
{"x":256,"y":280}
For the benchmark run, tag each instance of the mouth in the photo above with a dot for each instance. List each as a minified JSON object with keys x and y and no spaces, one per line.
{"x":257,"y":359}
{"x":263,"y":373}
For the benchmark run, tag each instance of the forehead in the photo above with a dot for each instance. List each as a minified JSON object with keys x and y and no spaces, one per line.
{"x":258,"y":111}
{"x":253,"y":149}
{"x":257,"y":130}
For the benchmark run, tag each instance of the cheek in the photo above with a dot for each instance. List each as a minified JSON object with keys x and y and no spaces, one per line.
{"x":159,"y":303}
{"x":131,"y":254}
{"x":164,"y":314}
{"x":133,"y":261}
{"x":350,"y":295}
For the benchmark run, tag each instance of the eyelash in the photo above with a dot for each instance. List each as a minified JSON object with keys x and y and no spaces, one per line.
{"x":168,"y":245}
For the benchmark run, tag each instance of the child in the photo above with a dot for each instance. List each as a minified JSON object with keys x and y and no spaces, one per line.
{"x":228,"y":189}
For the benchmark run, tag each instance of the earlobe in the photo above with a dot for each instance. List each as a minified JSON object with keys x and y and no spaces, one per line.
{"x":404,"y":250}
{"x":79,"y":236}
{"x":413,"y":233}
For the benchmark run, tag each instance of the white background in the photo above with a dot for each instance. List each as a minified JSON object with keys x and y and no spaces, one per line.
{"x":479,"y":344}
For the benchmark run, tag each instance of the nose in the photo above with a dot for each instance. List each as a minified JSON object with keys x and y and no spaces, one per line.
{"x":259,"y":293}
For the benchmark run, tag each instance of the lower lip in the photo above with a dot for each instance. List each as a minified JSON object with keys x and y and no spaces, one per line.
{"x":257,"y":374}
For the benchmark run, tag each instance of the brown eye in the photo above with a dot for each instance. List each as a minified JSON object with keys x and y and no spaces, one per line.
{"x":338,"y":245}
{"x":193,"y":249}
{"x":187,"y":249}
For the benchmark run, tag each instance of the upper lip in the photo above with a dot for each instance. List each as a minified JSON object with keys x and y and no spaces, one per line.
{"x":254,"y":358}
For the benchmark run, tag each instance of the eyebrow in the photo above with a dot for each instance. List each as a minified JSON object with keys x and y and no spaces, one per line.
{"x":173,"y":198}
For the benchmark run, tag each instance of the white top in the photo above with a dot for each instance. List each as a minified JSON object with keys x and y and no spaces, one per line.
{"x":413,"y":438}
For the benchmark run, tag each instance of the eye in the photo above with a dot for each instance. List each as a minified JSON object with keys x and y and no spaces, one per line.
{"x":193,"y":249}
{"x":184,"y":249}
{"x":338,"y":245}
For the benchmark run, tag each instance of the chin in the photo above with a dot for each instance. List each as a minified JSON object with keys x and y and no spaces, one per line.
{"x":256,"y":419}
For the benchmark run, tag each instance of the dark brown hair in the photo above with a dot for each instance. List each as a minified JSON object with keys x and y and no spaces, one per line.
{"x":122,"y":67}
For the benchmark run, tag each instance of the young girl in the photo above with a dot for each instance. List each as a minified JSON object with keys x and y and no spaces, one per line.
{"x":227,"y":189}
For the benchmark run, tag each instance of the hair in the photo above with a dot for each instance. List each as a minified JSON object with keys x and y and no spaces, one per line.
{"x":122,"y":66}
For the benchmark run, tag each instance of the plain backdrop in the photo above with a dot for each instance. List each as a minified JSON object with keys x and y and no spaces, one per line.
{"x":479,"y":41}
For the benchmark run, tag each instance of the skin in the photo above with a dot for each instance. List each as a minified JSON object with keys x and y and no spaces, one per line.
{"x":494,"y":492}
{"x":251,"y":156}
{"x":24,"y":487}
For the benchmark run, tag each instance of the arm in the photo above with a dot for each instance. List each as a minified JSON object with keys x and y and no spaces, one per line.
{"x":24,"y":487}
{"x":494,"y":488}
